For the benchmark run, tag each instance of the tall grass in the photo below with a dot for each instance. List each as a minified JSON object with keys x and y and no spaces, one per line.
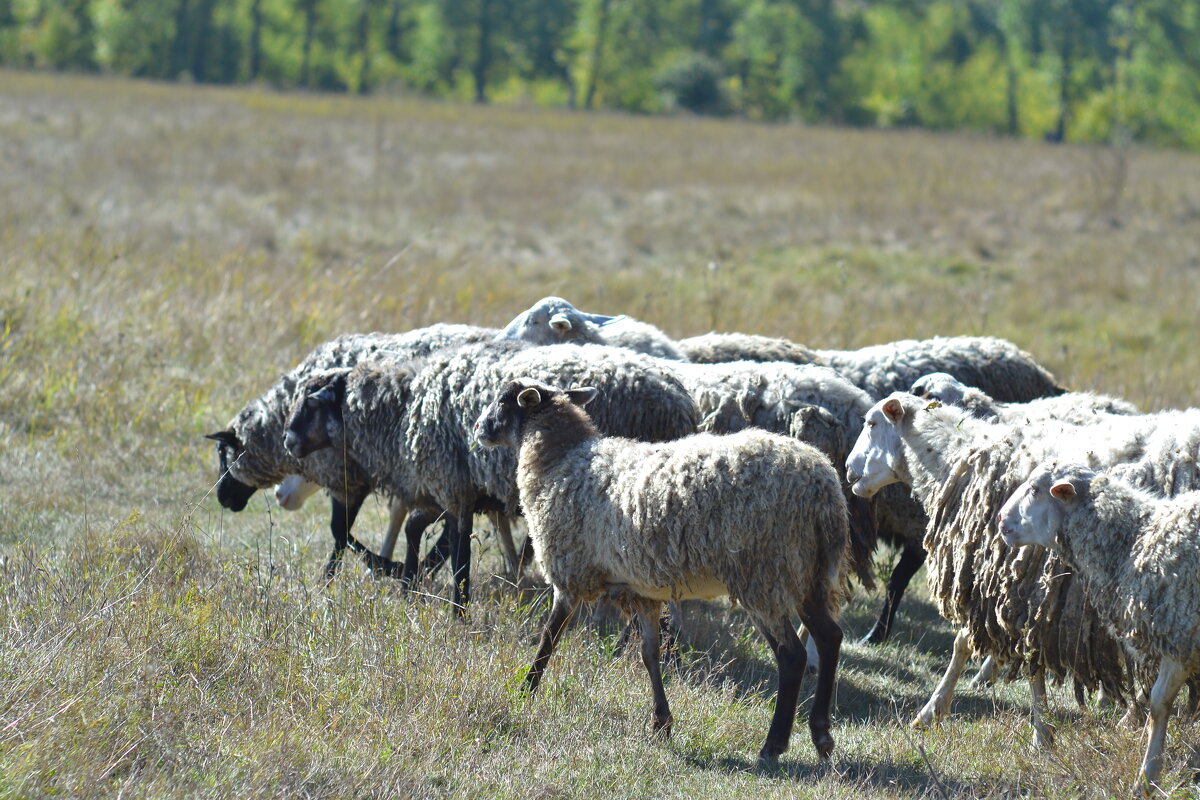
{"x":167,"y":251}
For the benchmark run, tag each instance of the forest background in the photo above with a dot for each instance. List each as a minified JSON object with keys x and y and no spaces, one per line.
{"x":1109,"y":71}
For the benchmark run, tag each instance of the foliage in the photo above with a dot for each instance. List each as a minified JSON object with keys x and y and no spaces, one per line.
{"x":1080,"y":70}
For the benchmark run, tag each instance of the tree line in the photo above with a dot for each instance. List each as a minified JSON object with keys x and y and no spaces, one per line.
{"x":1078,"y":70}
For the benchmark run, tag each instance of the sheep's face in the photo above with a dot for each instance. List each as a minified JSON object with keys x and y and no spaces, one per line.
{"x":940,"y":386}
{"x":315,"y":422}
{"x":503,"y":421}
{"x":553,"y":320}
{"x":293,"y":491}
{"x":1036,"y":510}
{"x":231,"y":493}
{"x":877,"y":458}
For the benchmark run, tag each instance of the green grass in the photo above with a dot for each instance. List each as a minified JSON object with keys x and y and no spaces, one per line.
{"x":167,"y":251}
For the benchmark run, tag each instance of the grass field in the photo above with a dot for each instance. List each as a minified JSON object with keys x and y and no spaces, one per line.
{"x":167,"y":251}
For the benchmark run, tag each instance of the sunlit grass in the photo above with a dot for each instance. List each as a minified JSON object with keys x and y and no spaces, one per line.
{"x":167,"y":251}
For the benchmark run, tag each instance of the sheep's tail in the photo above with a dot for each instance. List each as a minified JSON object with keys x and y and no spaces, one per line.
{"x":835,"y":557}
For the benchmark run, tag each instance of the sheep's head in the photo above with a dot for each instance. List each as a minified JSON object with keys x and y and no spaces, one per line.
{"x":877,"y":458}
{"x":231,"y":493}
{"x":315,"y":421}
{"x":503,"y":421}
{"x":293,"y":491}
{"x":1035,"y":511}
{"x":552,"y":320}
{"x":940,"y":386}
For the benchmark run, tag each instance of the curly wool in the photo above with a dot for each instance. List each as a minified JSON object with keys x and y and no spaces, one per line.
{"x":1139,"y":552}
{"x":409,"y":424}
{"x":761,"y":515}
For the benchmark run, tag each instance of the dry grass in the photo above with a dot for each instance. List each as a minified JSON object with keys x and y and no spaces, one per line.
{"x":167,"y":251}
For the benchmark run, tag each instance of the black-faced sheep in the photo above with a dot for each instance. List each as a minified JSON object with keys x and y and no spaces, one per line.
{"x":408,"y":423}
{"x":753,"y":515}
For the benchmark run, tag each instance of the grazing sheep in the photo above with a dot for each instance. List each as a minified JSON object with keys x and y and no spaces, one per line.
{"x":408,"y":423}
{"x":754,"y":515}
{"x":1078,"y":408}
{"x":1139,"y":556}
{"x":1015,"y":607}
{"x":553,"y":320}
{"x":250,"y":449}
{"x":719,"y":348}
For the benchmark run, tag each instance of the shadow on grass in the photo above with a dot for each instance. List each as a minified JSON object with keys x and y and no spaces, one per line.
{"x":908,"y":776}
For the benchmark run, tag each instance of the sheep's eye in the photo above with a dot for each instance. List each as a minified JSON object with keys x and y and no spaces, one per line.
{"x":871,"y":424}
{"x":1033,"y":490}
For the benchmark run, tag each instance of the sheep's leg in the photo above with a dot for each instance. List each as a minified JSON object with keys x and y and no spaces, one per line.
{"x":414,"y":528}
{"x":939,"y":702}
{"x":526,"y":555}
{"x":1170,"y":680}
{"x":395,"y":524}
{"x":986,"y":675}
{"x":1043,"y":731}
{"x":341,"y":519}
{"x":911,"y":559}
{"x":825,"y":631}
{"x":560,"y":615}
{"x":649,"y":619}
{"x":790,"y":660}
{"x":460,"y":557}
{"x":504,"y":534}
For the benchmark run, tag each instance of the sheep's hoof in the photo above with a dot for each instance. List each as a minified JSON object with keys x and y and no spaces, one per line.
{"x":823,"y":741}
{"x":874,"y":636}
{"x":924,"y":720}
{"x":1043,"y":738}
{"x":768,"y":762}
{"x":661,"y":728}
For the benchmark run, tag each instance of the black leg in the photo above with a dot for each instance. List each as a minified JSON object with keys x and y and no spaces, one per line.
{"x":790,"y":658}
{"x":460,"y":558}
{"x":340,"y":521}
{"x":649,"y":620}
{"x":560,"y":615}
{"x":911,"y":559}
{"x":419,"y":519}
{"x":827,"y":635}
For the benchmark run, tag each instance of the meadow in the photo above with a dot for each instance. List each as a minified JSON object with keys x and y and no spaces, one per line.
{"x":167,"y":251}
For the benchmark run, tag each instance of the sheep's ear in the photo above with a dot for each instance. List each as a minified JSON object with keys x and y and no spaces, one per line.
{"x":528,"y":398}
{"x":224,"y":437}
{"x":600,"y":320}
{"x":1063,"y":490}
{"x":334,"y":389}
{"x":582,"y":396}
{"x":560,"y":323}
{"x":893,"y":410}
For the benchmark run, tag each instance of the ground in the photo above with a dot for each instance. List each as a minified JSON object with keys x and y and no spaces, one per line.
{"x":167,"y":251}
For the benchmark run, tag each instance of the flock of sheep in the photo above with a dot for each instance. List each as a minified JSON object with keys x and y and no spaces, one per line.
{"x":650,"y":470}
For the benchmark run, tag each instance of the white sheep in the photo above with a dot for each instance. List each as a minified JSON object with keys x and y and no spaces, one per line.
{"x":962,"y":469}
{"x":1079,"y":408}
{"x":553,"y":320}
{"x":753,"y":515}
{"x":1139,"y":556}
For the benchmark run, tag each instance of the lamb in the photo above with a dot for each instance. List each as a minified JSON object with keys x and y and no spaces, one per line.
{"x":1079,"y":408}
{"x":408,"y":423}
{"x":754,"y":515}
{"x":250,"y":449}
{"x":1024,"y":609}
{"x":553,"y":320}
{"x":1139,"y":556}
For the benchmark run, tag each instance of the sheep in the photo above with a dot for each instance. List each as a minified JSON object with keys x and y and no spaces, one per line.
{"x":250,"y":449}
{"x":553,"y":320}
{"x":1024,"y":609}
{"x":408,"y":423}
{"x":718,"y":348}
{"x":1079,"y":408}
{"x":1139,"y":556}
{"x":754,"y":515}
